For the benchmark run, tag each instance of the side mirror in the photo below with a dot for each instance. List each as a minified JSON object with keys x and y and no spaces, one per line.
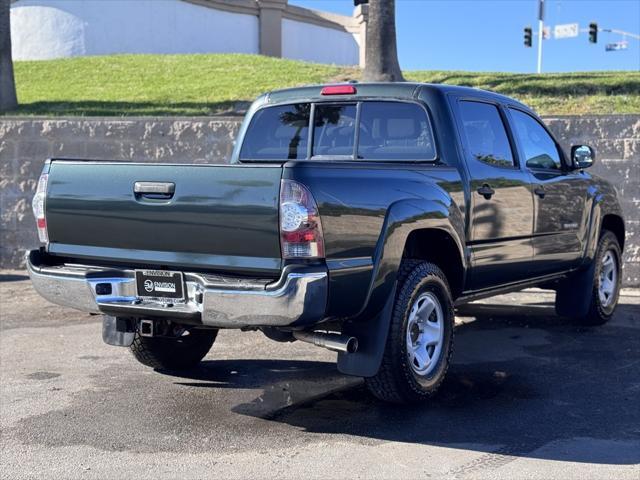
{"x":582,"y":156}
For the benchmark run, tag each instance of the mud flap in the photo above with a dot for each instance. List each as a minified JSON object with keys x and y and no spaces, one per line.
{"x":118,"y":331}
{"x":372,"y":338}
{"x":573,"y":296}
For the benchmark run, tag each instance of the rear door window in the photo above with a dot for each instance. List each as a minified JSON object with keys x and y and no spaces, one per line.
{"x":278,"y":133}
{"x":485,"y":134}
{"x":394,"y":131}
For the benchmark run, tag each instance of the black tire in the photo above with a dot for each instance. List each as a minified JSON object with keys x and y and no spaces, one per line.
{"x":168,"y":353}
{"x":598,"y":313}
{"x":396,"y":380}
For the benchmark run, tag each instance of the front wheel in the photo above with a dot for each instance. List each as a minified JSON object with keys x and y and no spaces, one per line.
{"x":590,"y":296}
{"x":173,"y":353}
{"x":606,"y":282}
{"x":420,"y":339}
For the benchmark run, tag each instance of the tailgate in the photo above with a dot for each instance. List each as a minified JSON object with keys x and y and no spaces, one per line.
{"x":219,"y":217}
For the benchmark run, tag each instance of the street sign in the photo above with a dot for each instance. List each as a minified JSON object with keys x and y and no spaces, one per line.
{"x":566,"y":30}
{"x":546,"y":33}
{"x":612,"y":47}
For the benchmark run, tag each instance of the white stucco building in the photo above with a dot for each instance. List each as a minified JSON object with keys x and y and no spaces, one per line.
{"x":47,"y":29}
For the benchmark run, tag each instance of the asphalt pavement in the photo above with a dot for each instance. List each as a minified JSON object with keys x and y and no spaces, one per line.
{"x":529,"y":395}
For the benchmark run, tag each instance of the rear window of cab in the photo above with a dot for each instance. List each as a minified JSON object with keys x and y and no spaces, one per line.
{"x":384,"y":130}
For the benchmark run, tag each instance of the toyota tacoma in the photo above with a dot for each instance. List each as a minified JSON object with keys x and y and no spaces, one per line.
{"x":355,"y":217}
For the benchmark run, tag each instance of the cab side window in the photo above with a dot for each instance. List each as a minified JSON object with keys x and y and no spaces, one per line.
{"x":540,"y":151}
{"x":485,"y":134}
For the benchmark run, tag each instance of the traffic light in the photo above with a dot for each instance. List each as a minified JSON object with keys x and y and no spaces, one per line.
{"x":593,"y":32}
{"x":528,"y":36}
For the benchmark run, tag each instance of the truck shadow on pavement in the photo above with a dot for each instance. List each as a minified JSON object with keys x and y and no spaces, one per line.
{"x":524,"y":383}
{"x":12,"y":277}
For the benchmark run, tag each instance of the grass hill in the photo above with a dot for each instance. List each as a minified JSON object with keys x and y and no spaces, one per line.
{"x":218,"y":83}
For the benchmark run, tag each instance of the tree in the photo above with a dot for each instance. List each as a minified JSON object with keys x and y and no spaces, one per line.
{"x":8,"y":99}
{"x":381,"y":53}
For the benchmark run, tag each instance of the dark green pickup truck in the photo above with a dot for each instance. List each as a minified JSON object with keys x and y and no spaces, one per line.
{"x":353,"y":216}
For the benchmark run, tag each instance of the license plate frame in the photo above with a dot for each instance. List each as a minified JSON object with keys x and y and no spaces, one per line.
{"x":161,"y":285}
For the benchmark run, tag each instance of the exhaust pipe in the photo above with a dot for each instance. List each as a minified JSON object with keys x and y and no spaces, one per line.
{"x":331,"y":341}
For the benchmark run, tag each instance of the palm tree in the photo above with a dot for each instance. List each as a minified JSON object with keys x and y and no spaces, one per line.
{"x":298,"y":118}
{"x":8,"y":100}
{"x":381,"y":53}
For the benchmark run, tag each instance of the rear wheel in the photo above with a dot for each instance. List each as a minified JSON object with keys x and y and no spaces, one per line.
{"x":173,"y":352}
{"x":420,"y":339}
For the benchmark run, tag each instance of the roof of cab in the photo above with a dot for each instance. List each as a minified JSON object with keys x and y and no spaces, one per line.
{"x":382,"y":90}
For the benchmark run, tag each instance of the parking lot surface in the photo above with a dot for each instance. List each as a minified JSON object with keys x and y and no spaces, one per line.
{"x":529,"y":395}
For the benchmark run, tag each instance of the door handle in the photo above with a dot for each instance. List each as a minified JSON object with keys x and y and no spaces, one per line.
{"x":539,"y":191}
{"x":486,"y":191}
{"x":157,"y":190}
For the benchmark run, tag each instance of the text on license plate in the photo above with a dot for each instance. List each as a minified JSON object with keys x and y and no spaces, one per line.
{"x":159,"y":284}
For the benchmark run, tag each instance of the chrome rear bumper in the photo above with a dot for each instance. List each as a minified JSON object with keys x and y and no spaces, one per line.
{"x":299,"y":297}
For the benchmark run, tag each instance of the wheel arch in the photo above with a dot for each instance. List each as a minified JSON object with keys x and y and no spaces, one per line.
{"x":429,"y":219}
{"x":438,"y":246}
{"x":410,"y":230}
{"x":606,"y":214}
{"x":615,"y":224}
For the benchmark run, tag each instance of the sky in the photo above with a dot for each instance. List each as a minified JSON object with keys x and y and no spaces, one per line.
{"x":488,"y":35}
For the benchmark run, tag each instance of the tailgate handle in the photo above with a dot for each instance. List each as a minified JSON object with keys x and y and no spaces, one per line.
{"x":155,"y":189}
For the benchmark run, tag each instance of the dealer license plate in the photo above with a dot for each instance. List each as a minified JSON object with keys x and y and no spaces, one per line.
{"x":160,"y":284}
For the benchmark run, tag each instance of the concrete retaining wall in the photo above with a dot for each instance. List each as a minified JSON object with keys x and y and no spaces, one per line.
{"x":25,"y":143}
{"x":47,"y":29}
{"x":42,"y":30}
{"x":301,"y":41}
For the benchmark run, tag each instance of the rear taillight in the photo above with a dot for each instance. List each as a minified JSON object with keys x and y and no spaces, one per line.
{"x":38,"y":208}
{"x":300,"y":227}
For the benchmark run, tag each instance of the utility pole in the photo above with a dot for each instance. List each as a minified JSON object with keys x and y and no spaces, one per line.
{"x":540,"y":32}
